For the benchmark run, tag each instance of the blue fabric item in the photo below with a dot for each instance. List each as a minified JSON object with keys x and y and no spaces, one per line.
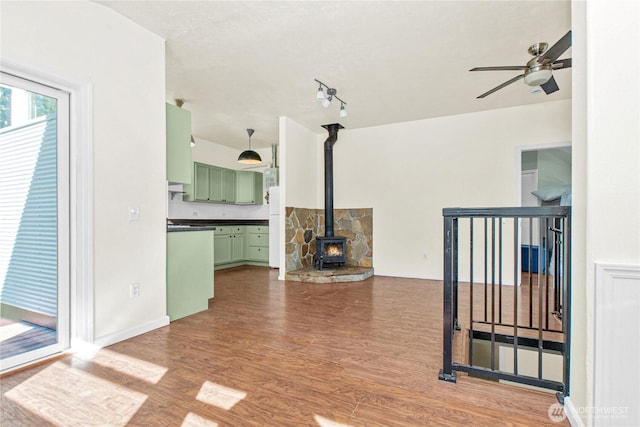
{"x":551,"y":192}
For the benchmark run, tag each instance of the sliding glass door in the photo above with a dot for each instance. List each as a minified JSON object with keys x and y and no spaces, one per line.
{"x":34,"y":221}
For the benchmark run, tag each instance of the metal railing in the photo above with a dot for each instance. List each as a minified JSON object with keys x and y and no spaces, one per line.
{"x":510,"y":317}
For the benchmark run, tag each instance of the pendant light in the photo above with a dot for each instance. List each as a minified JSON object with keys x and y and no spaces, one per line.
{"x":249,"y":157}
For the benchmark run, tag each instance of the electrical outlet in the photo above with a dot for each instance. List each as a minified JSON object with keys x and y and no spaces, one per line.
{"x":134,"y":290}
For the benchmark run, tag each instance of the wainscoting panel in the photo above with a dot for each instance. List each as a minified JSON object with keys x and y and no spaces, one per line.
{"x":617,"y":346}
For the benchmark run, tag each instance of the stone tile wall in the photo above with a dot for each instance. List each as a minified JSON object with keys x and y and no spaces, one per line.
{"x":303,"y":225}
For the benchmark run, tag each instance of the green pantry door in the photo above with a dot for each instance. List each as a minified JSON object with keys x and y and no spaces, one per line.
{"x":34,"y":221}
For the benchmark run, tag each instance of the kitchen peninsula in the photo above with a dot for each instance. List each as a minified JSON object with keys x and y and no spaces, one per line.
{"x":236,"y":241}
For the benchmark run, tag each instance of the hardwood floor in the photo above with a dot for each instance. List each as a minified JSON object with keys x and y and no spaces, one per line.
{"x":278,"y":354}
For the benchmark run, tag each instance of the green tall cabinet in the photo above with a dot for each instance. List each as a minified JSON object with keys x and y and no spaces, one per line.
{"x":178,"y":134}
{"x":189,"y":272}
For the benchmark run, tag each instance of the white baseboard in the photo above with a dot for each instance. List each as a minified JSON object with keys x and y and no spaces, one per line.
{"x":130,"y":333}
{"x":572,"y":413}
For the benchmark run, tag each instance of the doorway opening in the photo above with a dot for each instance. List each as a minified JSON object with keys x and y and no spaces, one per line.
{"x":34,"y":221}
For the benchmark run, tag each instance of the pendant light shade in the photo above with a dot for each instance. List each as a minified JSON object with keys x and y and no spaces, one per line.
{"x":249,"y":157}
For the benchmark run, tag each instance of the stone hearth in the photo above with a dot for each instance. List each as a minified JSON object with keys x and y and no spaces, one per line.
{"x":330,"y":275}
{"x":302,"y":225}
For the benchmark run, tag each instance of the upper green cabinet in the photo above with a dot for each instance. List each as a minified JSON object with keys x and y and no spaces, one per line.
{"x":221,"y":185}
{"x":248,"y":188}
{"x":211,"y":184}
{"x":179,"y":164}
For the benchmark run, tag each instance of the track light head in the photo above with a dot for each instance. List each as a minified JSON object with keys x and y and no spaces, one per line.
{"x":343,"y":111}
{"x":320,"y":94}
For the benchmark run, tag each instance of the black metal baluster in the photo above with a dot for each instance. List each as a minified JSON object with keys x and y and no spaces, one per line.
{"x":471,"y":291}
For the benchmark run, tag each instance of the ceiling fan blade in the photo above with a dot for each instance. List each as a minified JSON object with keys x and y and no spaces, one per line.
{"x":501,"y":68}
{"x":550,"y":86}
{"x":561,"y":63}
{"x":508,"y":82}
{"x":557,"y":49}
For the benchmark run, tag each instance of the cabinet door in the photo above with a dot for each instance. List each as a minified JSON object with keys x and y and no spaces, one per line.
{"x":216,"y":193}
{"x":258,"y":254}
{"x":245,"y":193}
{"x":237,"y":248}
{"x":201,"y":174}
{"x":178,"y":128}
{"x":222,"y":249}
{"x":228,"y":186}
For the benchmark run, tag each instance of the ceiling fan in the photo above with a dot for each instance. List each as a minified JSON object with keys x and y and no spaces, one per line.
{"x":539,"y":69}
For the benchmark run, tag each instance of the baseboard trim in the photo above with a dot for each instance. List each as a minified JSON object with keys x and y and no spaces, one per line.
{"x":572,"y":413}
{"x":130,"y":333}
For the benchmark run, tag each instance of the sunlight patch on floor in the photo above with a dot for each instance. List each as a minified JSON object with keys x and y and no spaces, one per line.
{"x":13,"y":329}
{"x":193,"y":420}
{"x":88,"y":400}
{"x":141,"y":369}
{"x":219,"y":395}
{"x":325,"y":422}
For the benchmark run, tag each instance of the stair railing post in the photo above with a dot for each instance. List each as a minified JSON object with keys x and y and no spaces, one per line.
{"x":447,"y":374}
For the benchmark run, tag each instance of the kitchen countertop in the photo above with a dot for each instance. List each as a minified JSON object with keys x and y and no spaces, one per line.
{"x":174,"y":228}
{"x":213,"y":222}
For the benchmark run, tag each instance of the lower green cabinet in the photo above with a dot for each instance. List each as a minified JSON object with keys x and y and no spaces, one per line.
{"x":239,"y":245}
{"x":190,"y":264}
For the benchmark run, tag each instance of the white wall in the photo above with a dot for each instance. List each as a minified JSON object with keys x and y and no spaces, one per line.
{"x":301,"y":179}
{"x":122,"y":64}
{"x":407,"y":172}
{"x":606,"y":175}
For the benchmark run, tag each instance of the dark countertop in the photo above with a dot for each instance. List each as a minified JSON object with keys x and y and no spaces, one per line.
{"x":214,"y":222}
{"x":173,"y":229}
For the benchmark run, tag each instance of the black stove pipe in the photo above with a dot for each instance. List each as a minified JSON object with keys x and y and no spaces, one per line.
{"x":328,"y":177}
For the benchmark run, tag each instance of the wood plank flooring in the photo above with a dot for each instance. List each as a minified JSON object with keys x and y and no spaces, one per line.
{"x":273,"y":353}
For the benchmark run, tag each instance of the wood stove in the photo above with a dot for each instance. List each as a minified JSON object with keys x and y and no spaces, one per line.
{"x":330,"y":250}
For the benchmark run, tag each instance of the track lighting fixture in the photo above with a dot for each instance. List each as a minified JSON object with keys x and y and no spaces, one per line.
{"x":249,"y":157}
{"x":326,"y":100}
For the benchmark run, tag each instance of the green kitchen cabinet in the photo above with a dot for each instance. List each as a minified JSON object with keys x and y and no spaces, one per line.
{"x":230,"y":246}
{"x":178,"y":144}
{"x":201,"y":181}
{"x":190,"y":264}
{"x":211,"y":184}
{"x":258,"y":243}
{"x":248,"y":188}
{"x":222,"y":248}
{"x":228,"y":186}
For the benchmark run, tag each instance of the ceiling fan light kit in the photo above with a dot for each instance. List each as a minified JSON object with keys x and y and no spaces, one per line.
{"x":326,"y":100}
{"x":249,"y":157}
{"x":539,"y":70}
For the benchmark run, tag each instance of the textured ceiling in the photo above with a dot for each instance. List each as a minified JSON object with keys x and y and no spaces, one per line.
{"x":241,"y":65}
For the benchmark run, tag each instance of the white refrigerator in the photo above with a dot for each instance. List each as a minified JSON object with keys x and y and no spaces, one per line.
{"x":274,"y":227}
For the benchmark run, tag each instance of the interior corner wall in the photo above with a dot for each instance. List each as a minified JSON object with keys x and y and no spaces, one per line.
{"x":123,"y":64}
{"x":607,"y":204}
{"x":408,"y":172}
{"x":300,"y":157}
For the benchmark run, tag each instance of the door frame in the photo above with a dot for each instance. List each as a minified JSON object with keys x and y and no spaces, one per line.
{"x":518,"y":181}
{"x":80,"y":178}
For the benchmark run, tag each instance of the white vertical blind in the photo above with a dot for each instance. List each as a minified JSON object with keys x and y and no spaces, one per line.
{"x":28,"y":216}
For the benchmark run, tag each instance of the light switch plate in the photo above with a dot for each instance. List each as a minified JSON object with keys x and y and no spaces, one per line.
{"x":134,"y":213}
